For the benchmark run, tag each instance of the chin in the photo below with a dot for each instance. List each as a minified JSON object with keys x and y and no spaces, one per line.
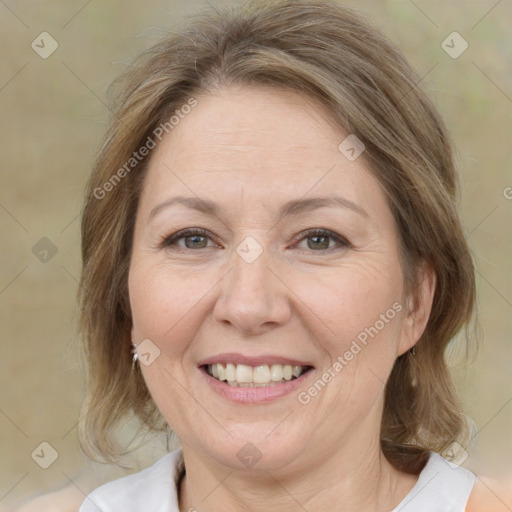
{"x":254,"y":449}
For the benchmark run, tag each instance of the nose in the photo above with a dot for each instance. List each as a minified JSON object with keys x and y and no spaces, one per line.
{"x":252,"y":298}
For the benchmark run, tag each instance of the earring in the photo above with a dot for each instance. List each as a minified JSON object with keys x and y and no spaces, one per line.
{"x":412,"y":351}
{"x":135,"y":356}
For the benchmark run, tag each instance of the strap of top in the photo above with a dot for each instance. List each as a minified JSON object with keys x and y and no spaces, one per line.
{"x":441,"y":487}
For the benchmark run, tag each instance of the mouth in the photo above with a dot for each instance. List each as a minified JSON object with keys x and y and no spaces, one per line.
{"x":260,"y":376}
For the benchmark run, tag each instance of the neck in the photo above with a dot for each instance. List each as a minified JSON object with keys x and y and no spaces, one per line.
{"x":353,"y":479}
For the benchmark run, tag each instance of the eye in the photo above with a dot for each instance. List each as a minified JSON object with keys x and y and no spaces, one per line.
{"x":320,"y":240}
{"x":194,"y":238}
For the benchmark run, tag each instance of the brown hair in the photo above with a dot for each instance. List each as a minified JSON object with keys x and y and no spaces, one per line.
{"x":326,"y":52}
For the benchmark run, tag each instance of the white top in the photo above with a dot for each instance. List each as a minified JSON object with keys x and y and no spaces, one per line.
{"x":441,"y":487}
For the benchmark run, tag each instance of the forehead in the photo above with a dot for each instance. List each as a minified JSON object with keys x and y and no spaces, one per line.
{"x":260,"y":142}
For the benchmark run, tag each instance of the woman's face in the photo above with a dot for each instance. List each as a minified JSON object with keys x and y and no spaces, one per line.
{"x":258,"y":291}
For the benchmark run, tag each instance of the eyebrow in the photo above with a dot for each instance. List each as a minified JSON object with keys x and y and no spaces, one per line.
{"x":293,"y":207}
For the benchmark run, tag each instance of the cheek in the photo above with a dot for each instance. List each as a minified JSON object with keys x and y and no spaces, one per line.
{"x":358,"y":309}
{"x":361,"y":305}
{"x":351,"y":298}
{"x":164,"y":310}
{"x":163,"y":306}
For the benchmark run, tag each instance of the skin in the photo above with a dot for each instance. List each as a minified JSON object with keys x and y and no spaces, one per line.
{"x":251,"y":150}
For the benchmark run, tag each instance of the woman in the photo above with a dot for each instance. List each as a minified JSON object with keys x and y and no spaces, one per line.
{"x":273,"y":266}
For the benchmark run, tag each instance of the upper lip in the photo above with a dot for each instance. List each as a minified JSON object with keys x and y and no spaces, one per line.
{"x":258,"y":360}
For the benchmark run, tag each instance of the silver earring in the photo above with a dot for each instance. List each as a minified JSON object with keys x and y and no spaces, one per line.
{"x":135,"y":356}
{"x":412,"y":351}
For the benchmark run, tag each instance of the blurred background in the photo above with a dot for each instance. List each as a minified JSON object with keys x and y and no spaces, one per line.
{"x":57,"y":58}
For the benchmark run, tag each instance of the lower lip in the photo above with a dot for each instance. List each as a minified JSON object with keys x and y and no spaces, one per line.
{"x":254,"y":395}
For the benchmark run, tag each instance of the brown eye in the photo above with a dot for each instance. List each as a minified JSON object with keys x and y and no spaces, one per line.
{"x":193,"y":239}
{"x":318,"y":242}
{"x":323,"y":240}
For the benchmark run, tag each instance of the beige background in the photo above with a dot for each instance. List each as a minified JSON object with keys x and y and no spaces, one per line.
{"x":52,"y":117}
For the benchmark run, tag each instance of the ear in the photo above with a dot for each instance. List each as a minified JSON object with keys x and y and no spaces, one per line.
{"x":418,"y":306}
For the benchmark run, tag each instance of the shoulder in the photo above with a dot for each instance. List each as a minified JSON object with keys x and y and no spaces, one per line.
{"x":491,"y":496}
{"x":152,"y":489}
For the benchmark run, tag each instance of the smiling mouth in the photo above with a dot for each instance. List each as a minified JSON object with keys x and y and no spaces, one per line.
{"x":245,"y":376}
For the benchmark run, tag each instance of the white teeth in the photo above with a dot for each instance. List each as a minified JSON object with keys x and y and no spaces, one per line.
{"x":261,"y":374}
{"x":242,"y":375}
{"x":230,"y":372}
{"x":276,"y":372}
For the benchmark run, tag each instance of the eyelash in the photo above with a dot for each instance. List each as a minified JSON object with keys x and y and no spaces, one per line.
{"x":170,"y":241}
